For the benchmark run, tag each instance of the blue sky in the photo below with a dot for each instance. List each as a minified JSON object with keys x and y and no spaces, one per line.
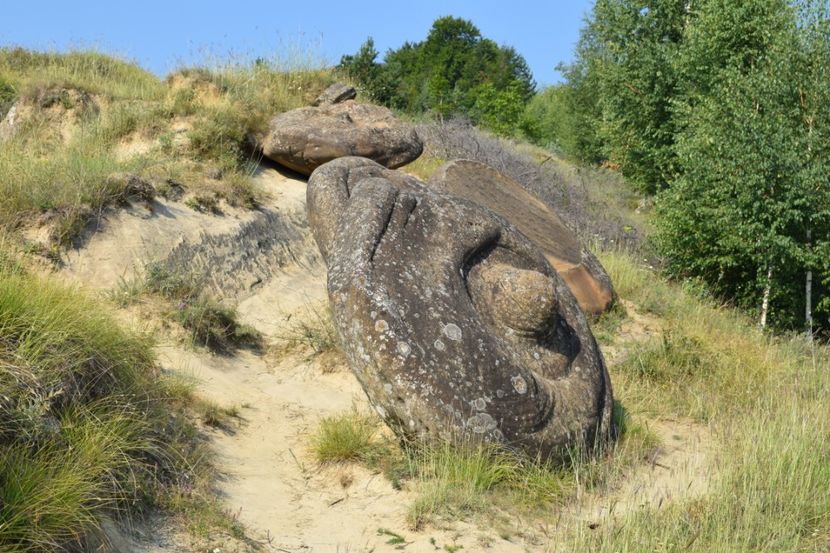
{"x":162,"y":35}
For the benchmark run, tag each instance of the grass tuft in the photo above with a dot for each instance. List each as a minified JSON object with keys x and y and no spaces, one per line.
{"x":351,"y":436}
{"x":87,"y":427}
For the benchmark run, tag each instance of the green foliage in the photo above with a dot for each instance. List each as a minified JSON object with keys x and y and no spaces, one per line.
{"x":620,"y":88}
{"x":8,"y":95}
{"x":454,"y":71}
{"x":716,"y":105}
{"x":752,"y":148}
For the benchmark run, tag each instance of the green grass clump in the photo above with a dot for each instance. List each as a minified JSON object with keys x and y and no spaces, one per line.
{"x":215,"y":326}
{"x":456,"y":481}
{"x":87,"y":428}
{"x":607,"y":325}
{"x":351,"y":436}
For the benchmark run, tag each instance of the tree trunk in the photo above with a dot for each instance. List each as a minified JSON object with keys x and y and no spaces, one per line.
{"x":765,"y":302}
{"x":808,"y":293}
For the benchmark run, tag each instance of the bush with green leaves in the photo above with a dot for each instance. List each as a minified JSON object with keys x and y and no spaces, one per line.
{"x":719,"y":105}
{"x":749,"y":212}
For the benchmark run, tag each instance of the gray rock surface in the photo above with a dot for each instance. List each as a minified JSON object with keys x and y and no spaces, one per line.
{"x":454,"y":322}
{"x":486,"y":186}
{"x":336,"y":93}
{"x":305,"y":138}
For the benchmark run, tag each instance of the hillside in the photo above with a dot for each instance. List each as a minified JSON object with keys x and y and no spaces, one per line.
{"x":171,"y":379}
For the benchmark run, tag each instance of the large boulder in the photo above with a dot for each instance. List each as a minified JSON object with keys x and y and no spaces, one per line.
{"x":453,"y":321}
{"x":305,"y":138}
{"x":486,"y":186}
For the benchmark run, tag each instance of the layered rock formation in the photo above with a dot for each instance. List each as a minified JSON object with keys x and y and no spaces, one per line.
{"x":454,"y":323}
{"x":485,"y":186}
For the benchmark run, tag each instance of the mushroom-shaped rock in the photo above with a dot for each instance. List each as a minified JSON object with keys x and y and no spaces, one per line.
{"x":453,"y":321}
{"x":305,"y":138}
{"x":486,"y":186}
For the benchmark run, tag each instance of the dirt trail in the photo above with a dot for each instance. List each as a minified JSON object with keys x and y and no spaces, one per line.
{"x":266,"y":263}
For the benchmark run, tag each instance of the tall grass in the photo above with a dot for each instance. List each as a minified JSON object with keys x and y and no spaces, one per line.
{"x":70,"y":182}
{"x":765,"y":399}
{"x":87,"y":428}
{"x":459,"y":481}
{"x":247,"y":95}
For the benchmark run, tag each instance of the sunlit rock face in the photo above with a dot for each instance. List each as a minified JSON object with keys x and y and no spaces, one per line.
{"x":582,"y":272}
{"x":453,"y":321}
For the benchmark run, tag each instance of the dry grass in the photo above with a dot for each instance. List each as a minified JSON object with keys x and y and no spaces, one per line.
{"x":196,"y":123}
{"x":598,"y":205}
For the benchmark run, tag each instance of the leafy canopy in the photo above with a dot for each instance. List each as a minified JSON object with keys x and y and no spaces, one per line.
{"x":454,"y":71}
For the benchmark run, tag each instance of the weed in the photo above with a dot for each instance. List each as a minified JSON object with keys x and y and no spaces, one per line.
{"x":173,"y":285}
{"x":212,"y":414}
{"x":214,"y":326}
{"x":203,"y":203}
{"x":394,"y":538}
{"x":315,"y":331}
{"x":351,"y":436}
{"x":209,"y":323}
{"x":607,"y":326}
{"x":127,"y":291}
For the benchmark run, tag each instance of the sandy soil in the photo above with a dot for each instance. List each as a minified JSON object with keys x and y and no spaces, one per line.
{"x":269,"y":480}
